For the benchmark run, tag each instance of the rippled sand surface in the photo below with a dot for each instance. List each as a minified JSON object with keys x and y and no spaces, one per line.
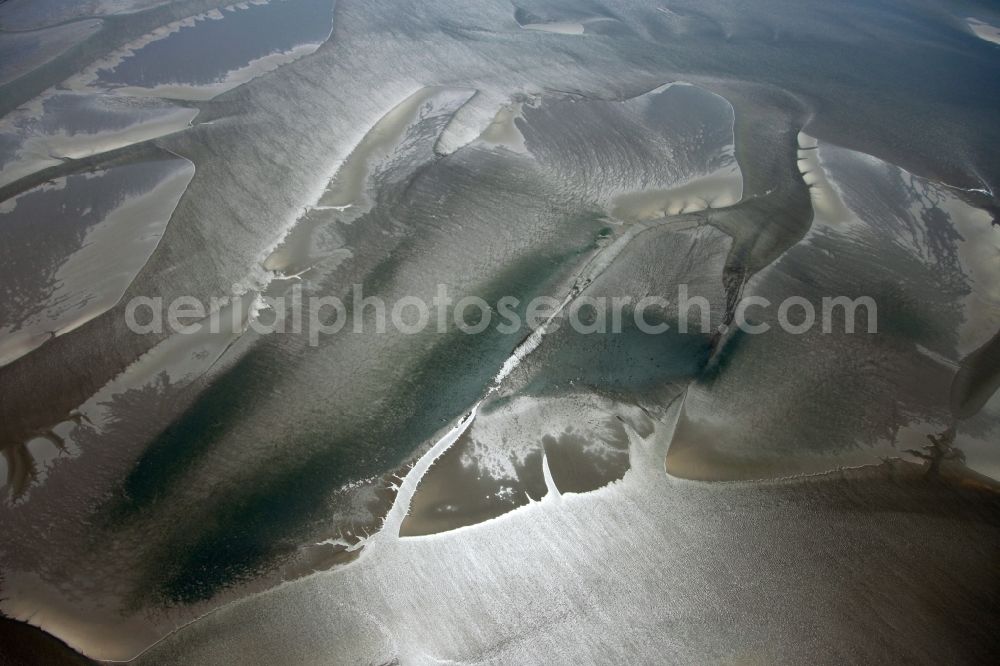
{"x":522,"y":496}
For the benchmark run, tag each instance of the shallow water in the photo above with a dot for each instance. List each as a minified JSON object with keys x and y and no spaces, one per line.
{"x":182,"y":60}
{"x":34,"y":14}
{"x":155,"y":478}
{"x":99,"y":228}
{"x":71,"y":126}
{"x":22,"y":52}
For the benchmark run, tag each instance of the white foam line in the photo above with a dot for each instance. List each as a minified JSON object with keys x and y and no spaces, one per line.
{"x":401,"y":507}
{"x":552,"y":491}
{"x":978,"y":190}
{"x":530,"y":343}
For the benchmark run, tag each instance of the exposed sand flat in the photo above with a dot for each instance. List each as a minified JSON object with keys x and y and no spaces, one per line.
{"x":455,"y":493}
{"x":503,"y":453}
{"x":62,"y":126}
{"x":346,"y":196}
{"x":96,"y":245}
{"x":497,"y":464}
{"x":869,"y":215}
{"x":674,"y":135}
{"x":470,"y":122}
{"x":34,"y":14}
{"x":702,"y":449}
{"x":257,"y":164}
{"x":347,"y":189}
{"x":971,"y":244}
{"x":588,"y":575}
{"x":529,"y":441}
{"x":402,"y":355}
{"x":180,"y":60}
{"x":558,"y":27}
{"x":75,"y":146}
{"x":979,"y":254}
{"x":826,"y":201}
{"x":503,"y":129}
{"x":231,"y":79}
{"x":180,"y":359}
{"x":565,"y":21}
{"x":22,"y":52}
{"x":984,"y":30}
{"x":717,"y":190}
{"x":966,"y":236}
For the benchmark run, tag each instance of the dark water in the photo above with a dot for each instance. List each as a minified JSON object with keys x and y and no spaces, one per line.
{"x":211,"y":48}
{"x":211,"y":485}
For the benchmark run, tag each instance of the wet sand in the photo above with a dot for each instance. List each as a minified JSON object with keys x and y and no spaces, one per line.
{"x":499,"y":463}
{"x":248,"y":191}
{"x":722,"y":555}
{"x":24,"y":51}
{"x":178,"y":360}
{"x":557,"y":27}
{"x":503,"y":129}
{"x":749,"y":423}
{"x":983,"y":30}
{"x":99,"y":242}
{"x":180,"y":61}
{"x":20,"y":15}
{"x":717,"y":190}
{"x":347,"y":196}
{"x":66,"y":126}
{"x":455,"y":494}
